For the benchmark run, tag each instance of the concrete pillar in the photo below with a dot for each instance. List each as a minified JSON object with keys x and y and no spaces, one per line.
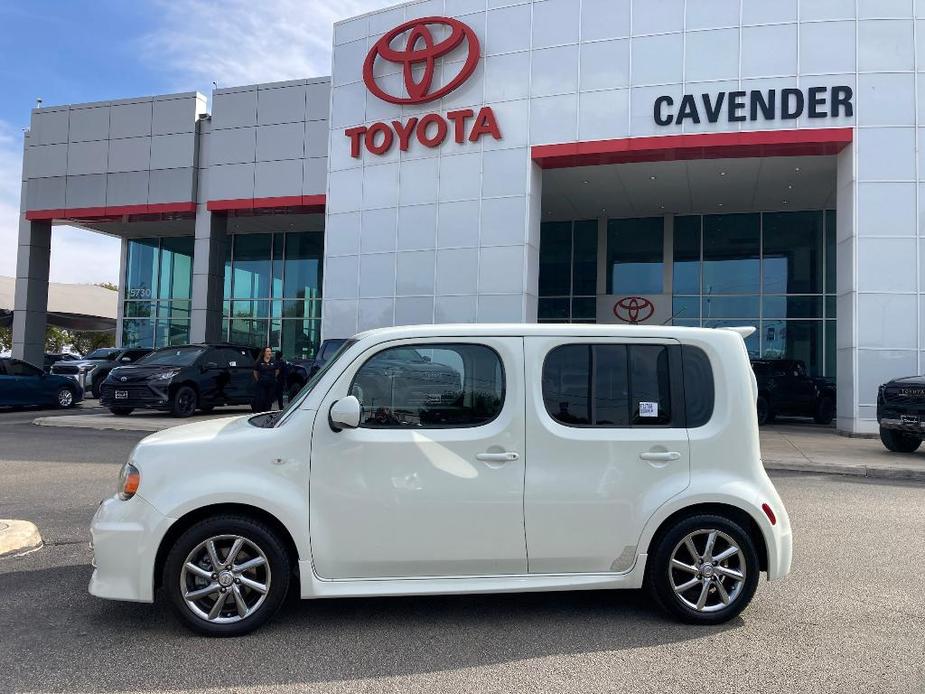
{"x":208,"y":276}
{"x":30,"y":305}
{"x":120,"y":306}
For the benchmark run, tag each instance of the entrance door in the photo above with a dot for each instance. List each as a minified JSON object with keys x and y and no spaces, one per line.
{"x":607,"y":446}
{"x":431,"y":482}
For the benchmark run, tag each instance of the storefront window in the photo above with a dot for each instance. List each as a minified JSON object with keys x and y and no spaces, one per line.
{"x":731,"y":254}
{"x":158,"y":290}
{"x":635,"y":255}
{"x":273,"y":291}
{"x":568,"y":272}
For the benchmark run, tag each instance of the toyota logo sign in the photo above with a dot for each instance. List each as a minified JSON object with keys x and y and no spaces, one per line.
{"x":633,"y":309}
{"x":421,"y":51}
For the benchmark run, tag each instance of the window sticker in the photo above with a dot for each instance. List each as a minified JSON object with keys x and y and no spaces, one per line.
{"x":232,"y":363}
{"x":648,"y":409}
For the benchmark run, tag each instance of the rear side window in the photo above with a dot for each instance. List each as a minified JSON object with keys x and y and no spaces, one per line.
{"x":699,"y":392}
{"x":430,"y":386}
{"x":604,"y":385}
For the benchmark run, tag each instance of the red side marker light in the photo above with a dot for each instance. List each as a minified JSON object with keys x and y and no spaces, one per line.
{"x":769,"y":513}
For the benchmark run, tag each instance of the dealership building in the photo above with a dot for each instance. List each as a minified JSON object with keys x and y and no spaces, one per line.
{"x":695,"y":162}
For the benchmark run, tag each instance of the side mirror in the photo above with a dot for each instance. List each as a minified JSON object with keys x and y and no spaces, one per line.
{"x":345,"y":414}
{"x":209,"y":365}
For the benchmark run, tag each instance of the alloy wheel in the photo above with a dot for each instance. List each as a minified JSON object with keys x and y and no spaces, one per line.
{"x":707,"y":570}
{"x":65,"y":398}
{"x":225,"y":579}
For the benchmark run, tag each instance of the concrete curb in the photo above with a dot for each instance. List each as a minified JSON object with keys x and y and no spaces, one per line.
{"x":870,"y":471}
{"x":104,"y":422}
{"x":18,"y":536}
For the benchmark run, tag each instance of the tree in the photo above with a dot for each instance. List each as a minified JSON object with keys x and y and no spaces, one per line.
{"x":6,"y":339}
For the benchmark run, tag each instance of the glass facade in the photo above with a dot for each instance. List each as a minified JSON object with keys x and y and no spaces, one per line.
{"x":772,"y":270}
{"x":273,"y":291}
{"x":158,"y":290}
{"x":568,"y":272}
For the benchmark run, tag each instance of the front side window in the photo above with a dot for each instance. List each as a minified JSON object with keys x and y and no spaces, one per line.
{"x":604,"y":385}
{"x":430,"y":386}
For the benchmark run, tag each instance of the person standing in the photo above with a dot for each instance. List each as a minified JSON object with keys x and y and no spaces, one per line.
{"x":265,"y":372}
{"x":282,"y":375}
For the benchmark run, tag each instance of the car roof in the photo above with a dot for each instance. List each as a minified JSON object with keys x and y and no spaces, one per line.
{"x":545,"y":329}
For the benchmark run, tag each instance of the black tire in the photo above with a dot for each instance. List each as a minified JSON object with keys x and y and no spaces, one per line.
{"x":275,"y":577}
{"x":95,"y":388}
{"x":183,"y":402}
{"x":65,"y":398}
{"x":900,"y":442}
{"x":765,"y":415}
{"x":660,"y":573}
{"x":122,"y":411}
{"x":825,"y":411}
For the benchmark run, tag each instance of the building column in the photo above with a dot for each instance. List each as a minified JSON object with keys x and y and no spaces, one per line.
{"x":30,"y":305}
{"x":208,"y":276}
{"x":120,"y":306}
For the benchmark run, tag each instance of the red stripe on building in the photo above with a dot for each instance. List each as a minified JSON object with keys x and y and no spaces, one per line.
{"x":113,"y":211}
{"x":316,"y":203}
{"x":762,"y":143}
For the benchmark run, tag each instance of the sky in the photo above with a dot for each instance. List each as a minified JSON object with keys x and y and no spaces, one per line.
{"x":73,"y":51}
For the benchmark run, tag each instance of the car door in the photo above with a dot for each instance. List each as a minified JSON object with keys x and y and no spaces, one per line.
{"x":607,"y":445}
{"x":28,"y":384}
{"x":241,"y":374}
{"x":431,"y":482}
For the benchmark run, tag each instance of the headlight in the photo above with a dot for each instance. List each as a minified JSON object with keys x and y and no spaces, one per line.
{"x":165,"y":375}
{"x":129,"y":479}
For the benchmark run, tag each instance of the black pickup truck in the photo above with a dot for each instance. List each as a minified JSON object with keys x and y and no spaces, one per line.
{"x":785,"y":388}
{"x":901,"y":413}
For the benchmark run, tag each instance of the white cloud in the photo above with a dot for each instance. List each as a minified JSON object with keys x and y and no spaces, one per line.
{"x":10,"y":170}
{"x":237,"y":42}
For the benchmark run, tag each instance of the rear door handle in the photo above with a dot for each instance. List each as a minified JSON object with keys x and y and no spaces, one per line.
{"x":506,"y":457}
{"x":660,"y":456}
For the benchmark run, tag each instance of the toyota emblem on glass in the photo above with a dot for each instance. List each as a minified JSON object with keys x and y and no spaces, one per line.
{"x":633,"y":309}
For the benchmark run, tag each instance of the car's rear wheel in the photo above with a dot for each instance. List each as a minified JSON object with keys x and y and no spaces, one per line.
{"x":122,"y":411}
{"x":765,"y":416}
{"x":704,"y":570}
{"x":900,"y":442}
{"x":184,"y":401}
{"x":64,"y":398}
{"x":227,"y":576}
{"x":825,"y":411}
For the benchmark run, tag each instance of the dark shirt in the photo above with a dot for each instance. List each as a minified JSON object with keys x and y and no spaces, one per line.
{"x":266,"y":371}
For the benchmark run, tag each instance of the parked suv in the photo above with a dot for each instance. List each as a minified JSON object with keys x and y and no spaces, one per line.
{"x":612,"y":456}
{"x":785,"y":388}
{"x":92,"y":370}
{"x":901,"y":413}
{"x":181,"y":380}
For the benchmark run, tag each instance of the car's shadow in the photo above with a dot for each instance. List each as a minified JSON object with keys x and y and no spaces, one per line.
{"x":62,"y":639}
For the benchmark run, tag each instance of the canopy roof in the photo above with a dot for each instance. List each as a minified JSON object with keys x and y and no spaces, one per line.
{"x":72,"y":306}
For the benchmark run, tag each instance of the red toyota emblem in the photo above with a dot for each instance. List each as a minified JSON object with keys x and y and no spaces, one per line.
{"x":421,"y":51}
{"x":633,"y":309}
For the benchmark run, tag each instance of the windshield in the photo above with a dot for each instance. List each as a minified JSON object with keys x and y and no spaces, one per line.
{"x":109,"y":354}
{"x":294,"y":403}
{"x":172,"y":356}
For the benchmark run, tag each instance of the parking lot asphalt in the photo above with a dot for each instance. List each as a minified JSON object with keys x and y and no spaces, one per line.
{"x":850,"y":617}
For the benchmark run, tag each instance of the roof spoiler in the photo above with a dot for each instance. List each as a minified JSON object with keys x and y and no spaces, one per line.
{"x":744,"y":330}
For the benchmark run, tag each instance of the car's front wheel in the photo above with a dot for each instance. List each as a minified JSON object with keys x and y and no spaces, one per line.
{"x":64,"y":398}
{"x":825,"y":411}
{"x":704,"y":570}
{"x":900,"y":442}
{"x":184,"y":402}
{"x":765,"y":415}
{"x":227,"y":576}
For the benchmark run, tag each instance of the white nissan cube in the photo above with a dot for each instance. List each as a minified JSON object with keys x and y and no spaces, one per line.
{"x":447,"y":459}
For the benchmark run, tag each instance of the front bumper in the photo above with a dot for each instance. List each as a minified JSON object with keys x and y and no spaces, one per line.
{"x":142,"y":395}
{"x":125,"y":536}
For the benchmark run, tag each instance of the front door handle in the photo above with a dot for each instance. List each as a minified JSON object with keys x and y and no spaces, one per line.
{"x":660,"y":456}
{"x":506,"y":457}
